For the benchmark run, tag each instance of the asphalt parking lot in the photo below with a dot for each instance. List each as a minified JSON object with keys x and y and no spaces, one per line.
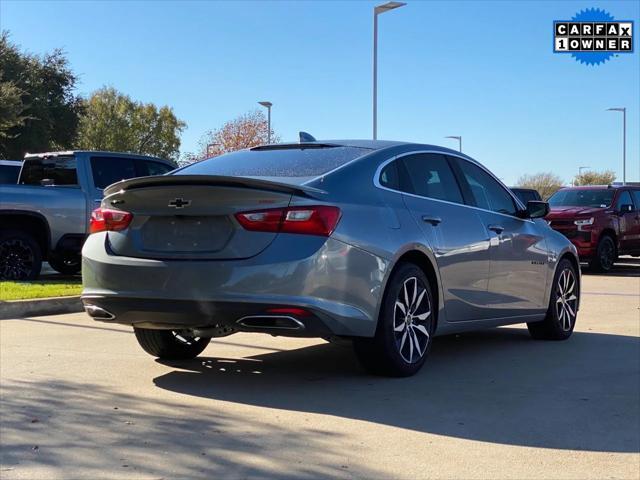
{"x":81,"y":400}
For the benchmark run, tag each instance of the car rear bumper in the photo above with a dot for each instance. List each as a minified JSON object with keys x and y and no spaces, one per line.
{"x":338,"y":286}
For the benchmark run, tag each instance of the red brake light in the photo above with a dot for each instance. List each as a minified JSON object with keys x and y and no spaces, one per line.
{"x":107,"y":220}
{"x":312,"y":220}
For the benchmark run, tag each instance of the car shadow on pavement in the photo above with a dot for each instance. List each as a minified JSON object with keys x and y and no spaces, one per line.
{"x":625,"y":266}
{"x":491,"y":386}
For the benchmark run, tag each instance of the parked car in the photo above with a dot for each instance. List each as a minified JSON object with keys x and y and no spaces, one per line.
{"x":385,"y":243}
{"x":526,"y":194}
{"x":601,"y":221}
{"x":46,"y":216}
{"x":9,"y":170}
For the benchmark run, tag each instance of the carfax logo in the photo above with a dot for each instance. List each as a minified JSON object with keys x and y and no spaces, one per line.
{"x":593,"y":36}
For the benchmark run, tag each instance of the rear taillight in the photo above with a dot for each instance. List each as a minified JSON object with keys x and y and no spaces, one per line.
{"x":312,"y":220}
{"x":107,"y":220}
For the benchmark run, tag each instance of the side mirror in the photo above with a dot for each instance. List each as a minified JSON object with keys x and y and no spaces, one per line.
{"x":626,"y":208}
{"x":537,"y":209}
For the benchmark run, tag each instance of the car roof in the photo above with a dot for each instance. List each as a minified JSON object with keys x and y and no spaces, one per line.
{"x":371,"y":145}
{"x":93,"y":152}
{"x":599,"y":187}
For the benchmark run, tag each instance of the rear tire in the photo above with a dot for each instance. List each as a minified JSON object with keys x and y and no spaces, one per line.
{"x":405,"y":326}
{"x":170,"y":344}
{"x":563,"y":306}
{"x":605,"y":255}
{"x":20,"y":256}
{"x":66,"y":264}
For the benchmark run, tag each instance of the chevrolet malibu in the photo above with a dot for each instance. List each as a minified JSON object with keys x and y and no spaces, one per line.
{"x":387,"y":244}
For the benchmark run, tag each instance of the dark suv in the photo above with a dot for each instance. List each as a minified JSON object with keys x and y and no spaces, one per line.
{"x":601,"y":221}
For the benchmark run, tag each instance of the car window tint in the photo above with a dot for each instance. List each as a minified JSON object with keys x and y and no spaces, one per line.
{"x":623,"y":199}
{"x":149,"y":167}
{"x":50,"y":171}
{"x":429,"y":175}
{"x":636,"y":197}
{"x":487,"y":192}
{"x":286,"y":161}
{"x":108,"y":170}
{"x":389,"y":176}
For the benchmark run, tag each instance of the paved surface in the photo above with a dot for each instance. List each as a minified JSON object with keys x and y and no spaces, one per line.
{"x":81,"y":400}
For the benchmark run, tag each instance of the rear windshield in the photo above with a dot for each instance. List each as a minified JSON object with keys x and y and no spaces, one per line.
{"x":289,"y":162}
{"x":49,"y":171}
{"x":9,"y":173}
{"x":582,"y":198}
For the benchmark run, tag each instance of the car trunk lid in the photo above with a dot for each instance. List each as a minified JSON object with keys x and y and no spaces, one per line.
{"x":192,"y":217}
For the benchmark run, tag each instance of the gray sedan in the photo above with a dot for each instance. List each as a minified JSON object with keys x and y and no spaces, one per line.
{"x":385,"y":243}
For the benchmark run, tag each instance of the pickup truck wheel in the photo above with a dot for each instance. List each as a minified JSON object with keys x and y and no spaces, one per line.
{"x":67,"y":264}
{"x":20,"y":256}
{"x":170,"y":344}
{"x":605,"y":255}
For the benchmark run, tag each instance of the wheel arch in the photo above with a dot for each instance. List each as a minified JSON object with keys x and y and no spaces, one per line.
{"x":611,"y":233}
{"x":422,"y":258}
{"x":29,"y":222}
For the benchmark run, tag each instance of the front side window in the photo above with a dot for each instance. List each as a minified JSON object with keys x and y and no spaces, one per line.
{"x":108,"y":170}
{"x":487,"y":192}
{"x":588,"y":197}
{"x":429,"y":175}
{"x":49,"y":171}
{"x":623,"y":199}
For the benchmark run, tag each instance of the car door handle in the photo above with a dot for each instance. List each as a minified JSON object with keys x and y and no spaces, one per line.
{"x":432,"y":220}
{"x":496,"y":228}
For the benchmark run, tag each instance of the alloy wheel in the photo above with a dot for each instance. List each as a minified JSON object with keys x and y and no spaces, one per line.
{"x":412,"y":320}
{"x":16,"y":259}
{"x":606,"y":255}
{"x":567,"y":301}
{"x":185,"y":338}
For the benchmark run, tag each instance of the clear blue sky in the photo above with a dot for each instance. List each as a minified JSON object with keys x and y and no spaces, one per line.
{"x":483,"y":70}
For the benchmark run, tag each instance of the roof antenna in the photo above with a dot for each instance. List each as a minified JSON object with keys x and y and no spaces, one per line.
{"x":306,"y":137}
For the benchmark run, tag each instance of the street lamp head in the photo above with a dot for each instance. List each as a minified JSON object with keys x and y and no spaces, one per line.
{"x":455,"y":137}
{"x":266,"y":104}
{"x":385,"y":7}
{"x":617,"y":109}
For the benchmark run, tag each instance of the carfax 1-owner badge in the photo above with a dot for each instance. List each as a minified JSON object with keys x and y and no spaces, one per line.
{"x":593,"y":36}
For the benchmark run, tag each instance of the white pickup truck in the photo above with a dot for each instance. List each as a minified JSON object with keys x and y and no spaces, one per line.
{"x":45,"y":216}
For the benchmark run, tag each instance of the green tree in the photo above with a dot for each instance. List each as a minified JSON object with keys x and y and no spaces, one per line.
{"x":546,"y":183}
{"x":113,"y":121}
{"x":606,"y":177}
{"x":39,"y":110}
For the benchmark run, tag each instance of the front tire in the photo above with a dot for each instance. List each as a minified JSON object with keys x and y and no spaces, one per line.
{"x":170,"y":344}
{"x":563,"y":306}
{"x":605,"y":255}
{"x":405,"y":326}
{"x":20,"y":256}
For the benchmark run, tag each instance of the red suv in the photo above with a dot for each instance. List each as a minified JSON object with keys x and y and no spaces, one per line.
{"x":601,"y":221}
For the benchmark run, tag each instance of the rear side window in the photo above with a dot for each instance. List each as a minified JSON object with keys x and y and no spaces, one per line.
{"x":108,"y":170}
{"x":487,"y":192}
{"x":276,"y":162}
{"x":149,"y":167}
{"x":49,"y":171}
{"x":429,"y":175}
{"x":9,"y":173}
{"x":636,"y":197}
{"x":389,"y":176}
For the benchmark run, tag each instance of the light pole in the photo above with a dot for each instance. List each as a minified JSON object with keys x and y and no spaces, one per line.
{"x":624,"y":141}
{"x":268,"y":105}
{"x":211,"y":148}
{"x":459,"y":138}
{"x":385,"y":7}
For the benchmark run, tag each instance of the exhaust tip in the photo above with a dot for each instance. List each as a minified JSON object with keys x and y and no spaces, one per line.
{"x":98,"y":312}
{"x":270,"y":322}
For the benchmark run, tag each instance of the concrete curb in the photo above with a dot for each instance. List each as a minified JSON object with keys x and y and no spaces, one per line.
{"x":39,"y":307}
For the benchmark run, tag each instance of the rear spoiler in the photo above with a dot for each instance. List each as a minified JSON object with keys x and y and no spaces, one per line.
{"x":172,"y":180}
